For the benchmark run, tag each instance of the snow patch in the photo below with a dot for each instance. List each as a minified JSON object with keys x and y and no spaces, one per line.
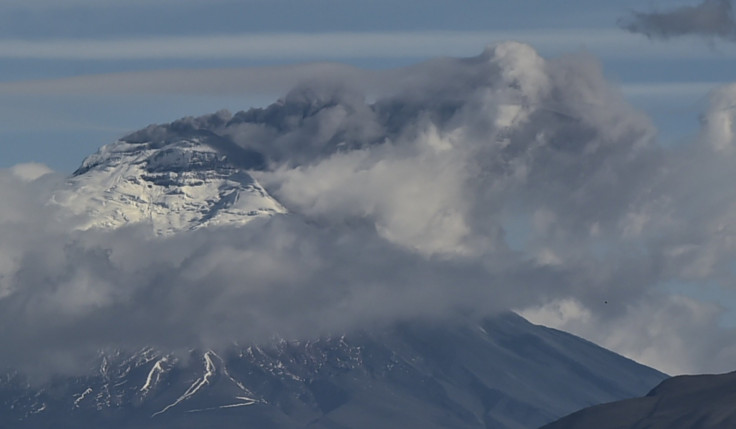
{"x":177,"y":186}
{"x":196,"y":386}
{"x":154,"y":375}
{"x":82,"y":396}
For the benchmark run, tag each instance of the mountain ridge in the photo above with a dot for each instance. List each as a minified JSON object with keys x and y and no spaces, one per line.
{"x":502,"y":372}
{"x":686,"y":401}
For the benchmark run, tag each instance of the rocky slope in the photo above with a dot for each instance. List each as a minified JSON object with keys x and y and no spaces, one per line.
{"x":684,"y":402}
{"x":501,"y":373}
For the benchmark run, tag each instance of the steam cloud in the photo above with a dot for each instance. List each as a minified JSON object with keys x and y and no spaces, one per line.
{"x":478,"y":185}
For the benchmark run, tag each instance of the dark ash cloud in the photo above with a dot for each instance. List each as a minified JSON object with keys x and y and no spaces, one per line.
{"x":711,"y":18}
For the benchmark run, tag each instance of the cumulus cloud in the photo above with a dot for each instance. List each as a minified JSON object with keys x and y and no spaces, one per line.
{"x":711,"y":18}
{"x":678,"y":334}
{"x":469,"y":186}
{"x":686,"y":226}
{"x":719,"y":131}
{"x":30,"y":171}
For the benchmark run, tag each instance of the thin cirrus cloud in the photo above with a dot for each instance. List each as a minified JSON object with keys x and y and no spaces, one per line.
{"x":261,"y":46}
{"x":52,"y":5}
{"x":335,"y":45}
{"x":669,"y":89}
{"x":225,"y":81}
{"x":273,"y":81}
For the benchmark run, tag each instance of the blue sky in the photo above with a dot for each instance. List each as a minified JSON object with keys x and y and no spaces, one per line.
{"x":42,"y":40}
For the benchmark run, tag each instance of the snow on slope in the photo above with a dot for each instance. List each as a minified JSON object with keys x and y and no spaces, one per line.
{"x":181,"y":182}
{"x":501,"y":373}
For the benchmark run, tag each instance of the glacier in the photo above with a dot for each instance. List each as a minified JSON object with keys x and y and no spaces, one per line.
{"x":183,"y":182}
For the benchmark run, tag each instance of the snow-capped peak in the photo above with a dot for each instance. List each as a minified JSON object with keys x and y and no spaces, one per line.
{"x":178,"y":181}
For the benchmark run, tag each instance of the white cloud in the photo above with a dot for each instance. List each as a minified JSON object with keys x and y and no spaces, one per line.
{"x":402,"y":207}
{"x":30,"y":171}
{"x":719,"y":123}
{"x":676,"y":334}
